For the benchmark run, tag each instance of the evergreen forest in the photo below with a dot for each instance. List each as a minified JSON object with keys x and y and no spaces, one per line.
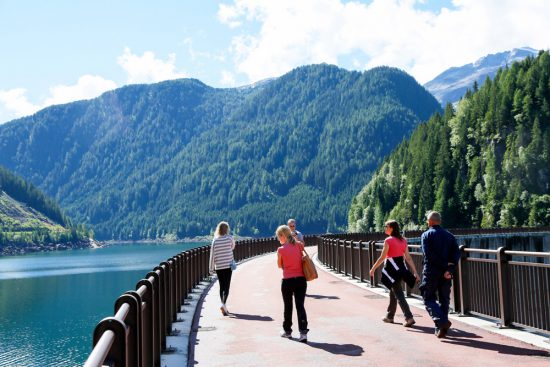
{"x":485,"y":164}
{"x":27,"y":216}
{"x":172,"y":159}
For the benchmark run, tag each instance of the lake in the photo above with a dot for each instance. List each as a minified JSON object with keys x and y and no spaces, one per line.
{"x":50,"y":302}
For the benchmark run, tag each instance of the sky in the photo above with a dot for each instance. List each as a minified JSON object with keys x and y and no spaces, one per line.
{"x":58,"y":51}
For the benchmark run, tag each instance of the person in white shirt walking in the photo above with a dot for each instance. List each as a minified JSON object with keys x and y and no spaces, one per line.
{"x":295,"y":233}
{"x":221,"y":257}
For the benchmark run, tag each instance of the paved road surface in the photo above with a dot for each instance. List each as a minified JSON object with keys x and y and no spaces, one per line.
{"x":345,"y":329}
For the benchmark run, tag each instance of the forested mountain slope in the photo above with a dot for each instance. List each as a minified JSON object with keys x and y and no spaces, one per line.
{"x":486,"y":165}
{"x":28,"y":217}
{"x":176,"y":157}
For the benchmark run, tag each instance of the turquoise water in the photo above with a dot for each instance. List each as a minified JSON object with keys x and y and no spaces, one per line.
{"x":51,"y":302}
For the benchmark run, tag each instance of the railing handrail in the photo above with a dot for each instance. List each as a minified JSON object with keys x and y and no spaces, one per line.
{"x":173,"y":278}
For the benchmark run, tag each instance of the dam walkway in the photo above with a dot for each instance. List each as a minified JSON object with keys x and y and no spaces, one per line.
{"x":346,"y":328}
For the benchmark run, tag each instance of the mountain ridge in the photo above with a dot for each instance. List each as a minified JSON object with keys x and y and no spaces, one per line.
{"x":451,"y":84}
{"x":178,"y":156}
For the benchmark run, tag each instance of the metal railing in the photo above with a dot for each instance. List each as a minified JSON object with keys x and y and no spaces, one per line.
{"x":503,"y":285}
{"x":136,"y":335}
{"x":512,"y":287}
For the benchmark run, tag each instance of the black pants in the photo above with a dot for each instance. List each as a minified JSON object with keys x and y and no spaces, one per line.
{"x":397,"y":295}
{"x":224,"y":277}
{"x":294,"y":287}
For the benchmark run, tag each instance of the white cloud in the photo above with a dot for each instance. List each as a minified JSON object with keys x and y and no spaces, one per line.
{"x":16,"y":103}
{"x":228,"y":79}
{"x":385,"y":32}
{"x":15,"y":100}
{"x":147,"y":68}
{"x":87,"y":86}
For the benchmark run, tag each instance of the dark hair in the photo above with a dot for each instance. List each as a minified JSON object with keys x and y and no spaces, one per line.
{"x":395,"y":228}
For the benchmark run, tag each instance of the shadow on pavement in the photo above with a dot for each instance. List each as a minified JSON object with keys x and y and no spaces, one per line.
{"x":457,"y":333}
{"x":344,"y":349}
{"x":500,"y":348}
{"x":242,"y":316}
{"x":318,"y":296}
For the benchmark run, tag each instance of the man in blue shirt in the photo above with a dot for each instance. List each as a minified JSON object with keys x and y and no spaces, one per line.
{"x":441,"y":254}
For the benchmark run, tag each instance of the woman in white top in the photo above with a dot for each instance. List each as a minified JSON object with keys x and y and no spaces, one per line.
{"x":221,"y":256}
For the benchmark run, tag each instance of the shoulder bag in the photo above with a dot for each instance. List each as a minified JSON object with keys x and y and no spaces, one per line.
{"x":308,"y":267}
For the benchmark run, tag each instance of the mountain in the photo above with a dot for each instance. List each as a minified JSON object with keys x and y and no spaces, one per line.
{"x":175,"y":158}
{"x":485,"y":165}
{"x":450,"y":86}
{"x":30,"y":220}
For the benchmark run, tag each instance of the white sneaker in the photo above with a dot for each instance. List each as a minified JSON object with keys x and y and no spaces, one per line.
{"x":225,"y":308}
{"x":284,"y":334}
{"x":302,"y":338}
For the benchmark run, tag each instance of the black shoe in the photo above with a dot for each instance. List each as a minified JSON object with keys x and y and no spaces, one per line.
{"x":442,"y":331}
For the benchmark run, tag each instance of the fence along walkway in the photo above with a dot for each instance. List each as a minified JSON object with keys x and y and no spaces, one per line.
{"x":511,"y":287}
{"x":136,"y":334}
{"x":345,"y":329}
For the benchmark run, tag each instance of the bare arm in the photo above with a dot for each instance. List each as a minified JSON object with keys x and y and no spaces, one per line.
{"x":279,"y":260}
{"x":211,"y":262}
{"x":380,"y":259}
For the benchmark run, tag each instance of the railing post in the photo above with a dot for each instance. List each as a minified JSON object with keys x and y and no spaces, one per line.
{"x":150,"y":338}
{"x":361,"y":272}
{"x":119,"y":350}
{"x":352,"y":261}
{"x":503,"y":288}
{"x":133,"y":325}
{"x":462,"y":281}
{"x":372,"y":259}
{"x":344,"y":252}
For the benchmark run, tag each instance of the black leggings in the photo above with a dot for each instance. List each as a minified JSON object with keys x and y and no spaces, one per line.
{"x":224,"y":277}
{"x":296,"y":287}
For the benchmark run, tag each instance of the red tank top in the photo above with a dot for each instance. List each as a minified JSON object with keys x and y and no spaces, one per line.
{"x":292,"y":260}
{"x":397,"y":246}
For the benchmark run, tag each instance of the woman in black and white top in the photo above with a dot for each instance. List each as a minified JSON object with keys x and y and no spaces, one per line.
{"x":221,"y":256}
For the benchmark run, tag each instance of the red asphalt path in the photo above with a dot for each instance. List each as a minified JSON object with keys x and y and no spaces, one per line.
{"x":345,"y":329}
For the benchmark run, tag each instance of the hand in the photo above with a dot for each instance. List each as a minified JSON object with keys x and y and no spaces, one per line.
{"x":371,"y":272}
{"x":448,"y":275}
{"x":417,"y":278}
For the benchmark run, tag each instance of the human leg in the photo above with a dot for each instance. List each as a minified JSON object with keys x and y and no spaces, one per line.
{"x":287,"y":291}
{"x":299,"y":299}
{"x":403,"y":304}
{"x":224,"y":278}
{"x":428,"y":289}
{"x":392,"y":306}
{"x":444,"y":296}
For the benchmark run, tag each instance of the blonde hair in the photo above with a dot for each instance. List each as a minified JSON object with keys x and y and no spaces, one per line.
{"x":284,"y":230}
{"x":222,"y":229}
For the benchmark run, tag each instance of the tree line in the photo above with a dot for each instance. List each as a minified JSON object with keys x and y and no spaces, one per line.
{"x":484,"y":164}
{"x":174,"y":158}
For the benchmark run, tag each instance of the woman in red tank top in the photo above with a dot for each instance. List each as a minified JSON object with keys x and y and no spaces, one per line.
{"x":395,"y":252}
{"x":289,"y":258}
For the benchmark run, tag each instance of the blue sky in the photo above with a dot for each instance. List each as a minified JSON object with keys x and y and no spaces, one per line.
{"x":59,"y":51}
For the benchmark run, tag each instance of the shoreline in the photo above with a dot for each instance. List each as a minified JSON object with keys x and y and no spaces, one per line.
{"x":12,"y":250}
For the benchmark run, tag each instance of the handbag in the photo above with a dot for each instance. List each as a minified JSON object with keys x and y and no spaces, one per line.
{"x":308,"y":267}
{"x":233,"y":265}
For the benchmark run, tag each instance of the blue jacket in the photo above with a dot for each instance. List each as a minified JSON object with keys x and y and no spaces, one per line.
{"x":440,"y":248}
